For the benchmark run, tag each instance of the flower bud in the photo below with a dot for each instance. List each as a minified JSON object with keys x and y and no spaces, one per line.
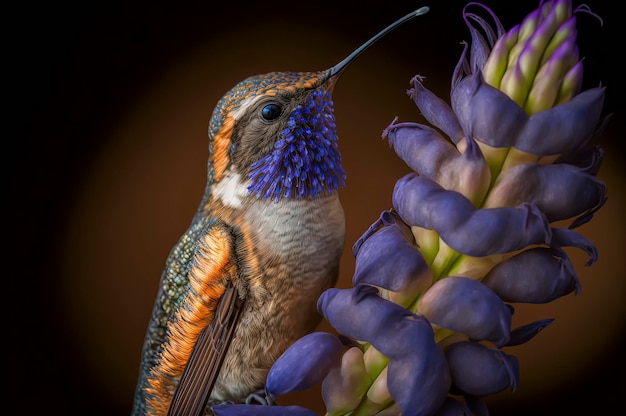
{"x":304,"y":364}
{"x":497,"y":62}
{"x":379,"y":392}
{"x":465,"y":305}
{"x":571,"y":84}
{"x":514,"y":84}
{"x":536,"y":275}
{"x":533,"y":48}
{"x":423,"y":203}
{"x":425,"y":151}
{"x":479,"y":370}
{"x":548,"y":80}
{"x":417,"y":376}
{"x":388,"y":258}
{"x":344,"y":386}
{"x":490,"y":116}
{"x":435,"y":110}
{"x":560,"y":191}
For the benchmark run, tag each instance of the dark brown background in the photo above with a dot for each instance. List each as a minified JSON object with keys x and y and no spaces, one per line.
{"x":109,"y":163}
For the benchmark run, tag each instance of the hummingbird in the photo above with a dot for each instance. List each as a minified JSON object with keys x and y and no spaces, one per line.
{"x":242,"y":283}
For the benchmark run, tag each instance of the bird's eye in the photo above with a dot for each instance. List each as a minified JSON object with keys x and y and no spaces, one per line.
{"x":271,"y":112}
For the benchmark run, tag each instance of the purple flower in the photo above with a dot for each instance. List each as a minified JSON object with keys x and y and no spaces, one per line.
{"x":345,"y":386}
{"x":417,"y":378}
{"x":479,"y":370}
{"x":472,"y":229}
{"x":536,"y":275}
{"x":388,"y":258}
{"x":305,"y":364}
{"x":431,"y":156}
{"x":424,"y":203}
{"x":466,"y":305}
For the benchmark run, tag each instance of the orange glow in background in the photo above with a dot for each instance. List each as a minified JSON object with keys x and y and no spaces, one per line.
{"x":116,"y":167}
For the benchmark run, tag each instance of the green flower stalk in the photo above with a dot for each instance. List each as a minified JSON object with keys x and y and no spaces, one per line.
{"x":473,"y":229}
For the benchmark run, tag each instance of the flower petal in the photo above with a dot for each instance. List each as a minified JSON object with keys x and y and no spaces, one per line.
{"x":425,"y":151}
{"x":490,"y":116}
{"x":378,"y":393}
{"x":560,"y":191}
{"x":386,"y":217}
{"x":486,"y":113}
{"x":465,"y":305}
{"x":361,"y":314}
{"x":525,"y":333}
{"x":418,"y":379}
{"x":389,"y":259}
{"x":435,"y":110}
{"x":421,"y":147}
{"x":498,"y":58}
{"x":564,"y":128}
{"x":481,"y":48}
{"x":571,"y":83}
{"x":344,"y":386}
{"x":536,"y":275}
{"x":479,"y":370}
{"x":423,"y":203}
{"x":563,"y":237}
{"x":304,"y":364}
{"x":419,"y":382}
{"x":588,"y":160}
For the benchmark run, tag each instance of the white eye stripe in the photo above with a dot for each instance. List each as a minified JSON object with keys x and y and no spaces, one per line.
{"x":245,"y":105}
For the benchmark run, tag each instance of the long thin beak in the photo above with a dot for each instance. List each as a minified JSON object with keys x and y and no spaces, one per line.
{"x":335,"y":72}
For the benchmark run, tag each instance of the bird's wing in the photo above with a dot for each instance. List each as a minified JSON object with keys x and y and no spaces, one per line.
{"x":196,"y":383}
{"x":199,"y":334}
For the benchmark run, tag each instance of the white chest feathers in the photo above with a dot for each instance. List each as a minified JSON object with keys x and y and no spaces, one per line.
{"x":294,"y":227}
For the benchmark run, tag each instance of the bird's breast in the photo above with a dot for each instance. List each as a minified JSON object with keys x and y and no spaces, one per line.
{"x":289,"y":255}
{"x":294,"y":250}
{"x":302,"y":234}
{"x":290,"y":229}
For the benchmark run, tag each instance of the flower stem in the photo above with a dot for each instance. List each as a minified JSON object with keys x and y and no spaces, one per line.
{"x":443,"y":260}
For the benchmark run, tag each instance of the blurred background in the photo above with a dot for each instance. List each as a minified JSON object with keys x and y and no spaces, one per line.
{"x":108,"y":165}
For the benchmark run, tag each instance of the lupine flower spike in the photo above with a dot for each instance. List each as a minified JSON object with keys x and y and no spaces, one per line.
{"x":472,"y":231}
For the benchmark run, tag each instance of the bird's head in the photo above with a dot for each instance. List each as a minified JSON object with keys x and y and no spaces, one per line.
{"x":276,"y":133}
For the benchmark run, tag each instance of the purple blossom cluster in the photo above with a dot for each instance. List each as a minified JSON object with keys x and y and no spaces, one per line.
{"x":474,"y":229}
